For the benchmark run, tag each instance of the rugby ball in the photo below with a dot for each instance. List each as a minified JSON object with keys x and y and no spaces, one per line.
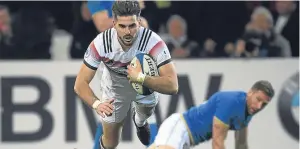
{"x":147,"y":65}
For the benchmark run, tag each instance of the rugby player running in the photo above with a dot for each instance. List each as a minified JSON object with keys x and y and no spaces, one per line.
{"x":116,"y":47}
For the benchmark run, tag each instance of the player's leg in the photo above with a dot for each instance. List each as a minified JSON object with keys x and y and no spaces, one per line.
{"x":111,"y":135}
{"x":153,"y":127}
{"x":172,"y":134}
{"x":140,"y":115}
{"x":99,"y":130}
{"x":98,"y":135}
{"x":143,"y":109}
{"x":112,"y":125}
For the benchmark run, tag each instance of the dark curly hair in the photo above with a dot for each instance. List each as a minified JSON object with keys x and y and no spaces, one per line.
{"x":126,"y":8}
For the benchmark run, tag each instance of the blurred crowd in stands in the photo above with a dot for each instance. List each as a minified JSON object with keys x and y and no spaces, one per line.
{"x":194,"y":29}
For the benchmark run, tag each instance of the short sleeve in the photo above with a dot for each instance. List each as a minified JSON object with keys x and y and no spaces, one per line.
{"x":161,"y":53}
{"x":92,"y":57}
{"x":225,"y":109}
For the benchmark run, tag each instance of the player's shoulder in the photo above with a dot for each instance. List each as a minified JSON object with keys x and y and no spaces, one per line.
{"x":107,"y":35}
{"x":148,"y":34}
{"x":148,"y":38}
{"x":103,"y":40}
{"x":108,"y":32}
{"x":231,"y":96}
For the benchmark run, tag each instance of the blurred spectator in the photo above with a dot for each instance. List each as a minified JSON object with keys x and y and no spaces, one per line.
{"x":144,"y":22}
{"x":84,"y":30}
{"x":5,"y":31}
{"x":90,"y":18}
{"x":244,"y":49}
{"x":229,"y":49}
{"x":101,"y":14}
{"x":217,"y":26}
{"x":5,"y":24}
{"x":32,"y":33}
{"x":287,"y":23}
{"x":28,"y":35}
{"x":260,"y":39}
{"x":209,"y":49}
{"x":177,"y":41}
{"x":220,"y":21}
{"x":157,"y":13}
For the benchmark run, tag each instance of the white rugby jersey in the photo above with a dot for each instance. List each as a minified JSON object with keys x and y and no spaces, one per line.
{"x":106,"y":48}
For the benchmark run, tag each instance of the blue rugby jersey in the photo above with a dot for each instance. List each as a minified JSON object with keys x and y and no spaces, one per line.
{"x":228,"y":106}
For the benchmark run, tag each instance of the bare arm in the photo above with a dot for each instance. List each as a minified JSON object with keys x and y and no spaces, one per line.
{"x":144,"y":22}
{"x":82,"y":87}
{"x":166,"y":83}
{"x":219,"y":134}
{"x":241,"y":139}
{"x":102,"y":21}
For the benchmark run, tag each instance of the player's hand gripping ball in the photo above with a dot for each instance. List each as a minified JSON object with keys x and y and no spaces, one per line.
{"x":142,"y":65}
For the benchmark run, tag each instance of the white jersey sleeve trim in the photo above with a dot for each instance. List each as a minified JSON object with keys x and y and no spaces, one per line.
{"x":159,"y":50}
{"x":92,"y":57}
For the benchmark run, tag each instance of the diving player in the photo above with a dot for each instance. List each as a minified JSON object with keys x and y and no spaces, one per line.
{"x":225,"y":110}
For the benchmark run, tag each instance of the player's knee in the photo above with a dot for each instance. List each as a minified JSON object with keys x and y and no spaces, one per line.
{"x":110,"y":143}
{"x":111,"y":134}
{"x":110,"y":146}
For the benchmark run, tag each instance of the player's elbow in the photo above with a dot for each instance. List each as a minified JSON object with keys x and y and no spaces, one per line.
{"x":78,"y":87}
{"x":174,"y":89}
{"x":173,"y":86}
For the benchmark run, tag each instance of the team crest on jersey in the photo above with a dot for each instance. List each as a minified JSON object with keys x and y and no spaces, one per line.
{"x":87,"y":53}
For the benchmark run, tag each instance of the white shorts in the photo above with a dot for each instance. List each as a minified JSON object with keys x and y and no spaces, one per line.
{"x":118,"y":88}
{"x":123,"y":104}
{"x":173,"y":132}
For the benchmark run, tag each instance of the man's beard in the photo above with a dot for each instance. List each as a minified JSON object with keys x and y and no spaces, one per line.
{"x":127,"y":40}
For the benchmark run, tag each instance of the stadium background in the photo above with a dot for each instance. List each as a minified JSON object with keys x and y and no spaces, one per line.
{"x":42,"y":44}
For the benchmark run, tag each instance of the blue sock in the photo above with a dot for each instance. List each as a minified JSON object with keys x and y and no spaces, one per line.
{"x":153,"y":132}
{"x":98,"y":134}
{"x":153,"y":128}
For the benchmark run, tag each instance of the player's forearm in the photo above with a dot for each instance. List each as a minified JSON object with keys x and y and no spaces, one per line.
{"x":85,"y":93}
{"x":219,"y":134}
{"x":164,"y":85}
{"x":241,"y":139}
